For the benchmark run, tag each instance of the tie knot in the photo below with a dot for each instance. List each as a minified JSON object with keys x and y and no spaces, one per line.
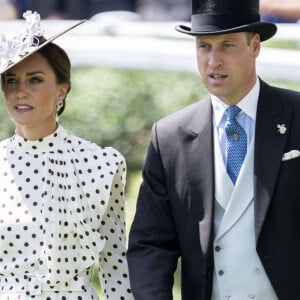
{"x":232,"y":112}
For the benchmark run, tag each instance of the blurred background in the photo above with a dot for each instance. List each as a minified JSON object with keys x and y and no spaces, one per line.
{"x":155,"y":10}
{"x":131,"y":68}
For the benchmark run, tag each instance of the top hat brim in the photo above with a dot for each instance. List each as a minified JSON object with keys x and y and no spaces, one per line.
{"x":265,"y":30}
{"x":43,"y":44}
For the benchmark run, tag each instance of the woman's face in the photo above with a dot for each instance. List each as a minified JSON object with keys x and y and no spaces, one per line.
{"x":31,"y":92}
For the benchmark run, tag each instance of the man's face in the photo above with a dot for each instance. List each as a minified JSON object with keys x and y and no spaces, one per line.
{"x":226,"y":64}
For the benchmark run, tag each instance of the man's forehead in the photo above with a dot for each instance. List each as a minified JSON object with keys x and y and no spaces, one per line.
{"x":220,"y":37}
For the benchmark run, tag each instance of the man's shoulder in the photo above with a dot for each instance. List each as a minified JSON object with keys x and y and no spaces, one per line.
{"x":184,"y":115}
{"x":281,"y":91}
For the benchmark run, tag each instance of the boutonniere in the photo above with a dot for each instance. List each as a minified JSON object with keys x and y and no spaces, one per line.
{"x":281,"y":128}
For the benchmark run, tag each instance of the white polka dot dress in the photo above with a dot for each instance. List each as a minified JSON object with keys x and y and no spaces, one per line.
{"x":62,"y":211}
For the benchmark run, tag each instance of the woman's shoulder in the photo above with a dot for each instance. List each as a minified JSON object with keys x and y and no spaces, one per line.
{"x":81,"y":145}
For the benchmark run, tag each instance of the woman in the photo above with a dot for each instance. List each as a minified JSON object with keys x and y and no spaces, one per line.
{"x":61,"y":197}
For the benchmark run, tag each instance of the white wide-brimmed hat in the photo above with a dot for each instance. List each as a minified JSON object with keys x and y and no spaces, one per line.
{"x":16,"y":48}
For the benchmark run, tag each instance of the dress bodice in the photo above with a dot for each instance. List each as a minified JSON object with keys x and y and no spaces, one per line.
{"x":55,"y":194}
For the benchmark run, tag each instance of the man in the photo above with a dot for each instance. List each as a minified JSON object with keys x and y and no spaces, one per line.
{"x":221,"y":180}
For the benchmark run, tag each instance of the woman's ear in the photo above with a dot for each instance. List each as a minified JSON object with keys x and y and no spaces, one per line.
{"x":62,"y":91}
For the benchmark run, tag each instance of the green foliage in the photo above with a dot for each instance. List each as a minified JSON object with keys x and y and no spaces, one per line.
{"x":283,"y":44}
{"x":7,"y":127}
{"x":117,"y":107}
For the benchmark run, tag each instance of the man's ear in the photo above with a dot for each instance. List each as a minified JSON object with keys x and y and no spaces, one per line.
{"x":256,"y":45}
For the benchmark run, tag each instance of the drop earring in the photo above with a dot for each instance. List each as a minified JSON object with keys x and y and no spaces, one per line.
{"x":59,"y":105}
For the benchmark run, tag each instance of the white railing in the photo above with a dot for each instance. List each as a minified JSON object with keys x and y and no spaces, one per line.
{"x":117,"y":42}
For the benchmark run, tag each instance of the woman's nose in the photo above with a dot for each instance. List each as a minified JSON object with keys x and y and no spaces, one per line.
{"x":21,"y":91}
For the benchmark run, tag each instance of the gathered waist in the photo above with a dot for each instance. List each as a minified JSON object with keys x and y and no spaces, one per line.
{"x":31,"y":285}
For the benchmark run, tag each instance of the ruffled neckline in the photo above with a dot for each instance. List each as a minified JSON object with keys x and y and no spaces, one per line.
{"x":45,"y":144}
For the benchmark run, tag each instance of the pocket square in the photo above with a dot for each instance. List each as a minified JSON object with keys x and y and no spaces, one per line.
{"x":290,"y":155}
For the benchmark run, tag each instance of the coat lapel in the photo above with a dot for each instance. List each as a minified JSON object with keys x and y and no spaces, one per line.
{"x":267,"y":158}
{"x":197,"y":142}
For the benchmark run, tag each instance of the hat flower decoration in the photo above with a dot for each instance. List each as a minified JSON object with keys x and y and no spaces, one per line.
{"x":14,"y":49}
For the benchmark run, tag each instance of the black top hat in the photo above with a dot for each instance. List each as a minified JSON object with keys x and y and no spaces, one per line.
{"x":226,"y":16}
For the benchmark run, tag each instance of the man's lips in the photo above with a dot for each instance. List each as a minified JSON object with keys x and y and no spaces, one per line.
{"x":217,"y":76}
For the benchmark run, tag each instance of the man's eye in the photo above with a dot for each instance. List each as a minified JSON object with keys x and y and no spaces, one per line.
{"x":203,"y":46}
{"x":228,"y":45}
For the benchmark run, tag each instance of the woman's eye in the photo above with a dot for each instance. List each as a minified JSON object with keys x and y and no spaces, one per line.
{"x":10,"y":81}
{"x":36,"y":80}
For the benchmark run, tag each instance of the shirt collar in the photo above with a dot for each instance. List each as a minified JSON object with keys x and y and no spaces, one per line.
{"x":248,"y":104}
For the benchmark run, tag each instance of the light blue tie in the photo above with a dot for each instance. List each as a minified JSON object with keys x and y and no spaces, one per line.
{"x":236,"y":143}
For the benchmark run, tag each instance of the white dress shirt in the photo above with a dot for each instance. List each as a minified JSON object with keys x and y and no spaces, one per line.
{"x":246,"y":117}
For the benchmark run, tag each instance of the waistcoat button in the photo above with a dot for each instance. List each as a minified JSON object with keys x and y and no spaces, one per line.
{"x":251,"y":295}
